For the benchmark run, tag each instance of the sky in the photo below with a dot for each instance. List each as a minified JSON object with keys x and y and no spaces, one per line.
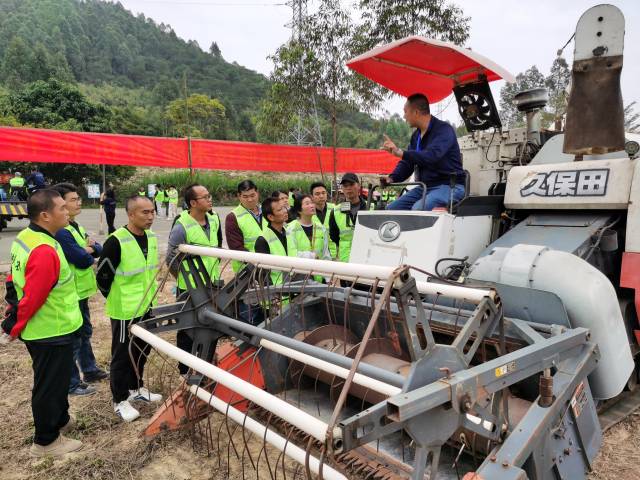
{"x":516,"y":34}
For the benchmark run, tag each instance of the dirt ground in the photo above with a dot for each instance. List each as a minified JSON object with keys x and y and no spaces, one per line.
{"x":115,"y":450}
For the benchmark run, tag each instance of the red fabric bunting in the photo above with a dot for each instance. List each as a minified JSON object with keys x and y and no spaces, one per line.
{"x":39,"y":145}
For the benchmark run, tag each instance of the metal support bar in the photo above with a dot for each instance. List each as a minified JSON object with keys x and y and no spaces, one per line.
{"x":493,"y":375}
{"x":364,"y":368}
{"x":505,"y":461}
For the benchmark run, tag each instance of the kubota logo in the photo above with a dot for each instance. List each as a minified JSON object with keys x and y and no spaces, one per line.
{"x":389,"y":231}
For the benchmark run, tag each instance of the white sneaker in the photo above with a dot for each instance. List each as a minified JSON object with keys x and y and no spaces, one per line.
{"x":126,"y":411}
{"x":144,"y":395}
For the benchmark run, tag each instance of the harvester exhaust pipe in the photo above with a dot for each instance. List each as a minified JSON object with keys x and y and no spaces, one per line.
{"x":531,"y":102}
{"x":595,"y":113}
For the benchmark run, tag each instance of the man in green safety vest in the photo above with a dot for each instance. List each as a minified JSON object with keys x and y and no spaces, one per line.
{"x":81,"y":253}
{"x":142,"y":192}
{"x":172,"y":198}
{"x":159,"y":201}
{"x":275,"y":241}
{"x":127,"y":278}
{"x":243,"y":225}
{"x":343,"y":217}
{"x":319,"y":196}
{"x":200,"y":225}
{"x":17,"y":186}
{"x":43,"y":312}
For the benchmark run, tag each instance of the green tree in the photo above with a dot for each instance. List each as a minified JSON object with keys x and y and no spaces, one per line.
{"x":530,"y":78}
{"x":199,"y":116}
{"x":557,"y":83}
{"x":54,"y":104}
{"x":18,"y":64}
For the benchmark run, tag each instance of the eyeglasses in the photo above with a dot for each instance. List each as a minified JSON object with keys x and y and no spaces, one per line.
{"x":206,"y":197}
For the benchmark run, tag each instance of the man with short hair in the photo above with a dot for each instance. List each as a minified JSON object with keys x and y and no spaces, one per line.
{"x":434,"y":156}
{"x":172,"y":197}
{"x":142,"y":192}
{"x":127,"y":278}
{"x":319,"y":196}
{"x":342,"y":221}
{"x":81,"y":253}
{"x":275,"y":240}
{"x":199,"y":225}
{"x":43,"y":312}
{"x":243,"y":225}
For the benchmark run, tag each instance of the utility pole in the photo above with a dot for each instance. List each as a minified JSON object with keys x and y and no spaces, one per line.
{"x":186,"y":115}
{"x":306,"y":131}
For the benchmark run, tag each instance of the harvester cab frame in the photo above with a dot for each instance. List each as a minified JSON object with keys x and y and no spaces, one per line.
{"x":485,"y":343}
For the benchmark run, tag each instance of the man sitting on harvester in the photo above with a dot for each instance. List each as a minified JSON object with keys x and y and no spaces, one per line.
{"x":434,"y":156}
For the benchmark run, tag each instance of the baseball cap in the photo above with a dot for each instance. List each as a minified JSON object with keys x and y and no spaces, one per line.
{"x":349,"y":178}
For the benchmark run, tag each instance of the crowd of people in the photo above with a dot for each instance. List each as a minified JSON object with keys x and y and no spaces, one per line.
{"x":53,"y":276}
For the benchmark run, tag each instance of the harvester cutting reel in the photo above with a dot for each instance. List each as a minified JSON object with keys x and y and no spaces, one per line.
{"x":463,"y":358}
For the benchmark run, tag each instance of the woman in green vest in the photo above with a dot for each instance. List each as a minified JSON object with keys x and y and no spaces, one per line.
{"x":172,"y":198}
{"x":310,"y":238}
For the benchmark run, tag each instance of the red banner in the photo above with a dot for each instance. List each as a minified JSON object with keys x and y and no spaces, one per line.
{"x":45,"y":146}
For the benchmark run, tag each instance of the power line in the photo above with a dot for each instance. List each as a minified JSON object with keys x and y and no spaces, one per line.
{"x":211,"y":4}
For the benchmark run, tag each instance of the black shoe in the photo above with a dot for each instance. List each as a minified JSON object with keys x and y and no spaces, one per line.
{"x":95,"y":376}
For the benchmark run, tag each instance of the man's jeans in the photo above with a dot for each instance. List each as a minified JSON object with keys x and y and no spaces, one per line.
{"x":436,"y":197}
{"x":82,"y":351}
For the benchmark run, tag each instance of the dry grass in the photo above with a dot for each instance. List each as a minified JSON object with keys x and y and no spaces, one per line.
{"x":114,"y":450}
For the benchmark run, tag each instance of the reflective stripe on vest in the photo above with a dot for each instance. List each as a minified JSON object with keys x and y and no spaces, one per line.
{"x":276,"y":248}
{"x":302,"y":243}
{"x":16,"y":182}
{"x":134,"y":284}
{"x":60,"y":313}
{"x":195,"y":235}
{"x":333,"y":248}
{"x":85,"y":278}
{"x":346,"y":234}
{"x":250,"y":231}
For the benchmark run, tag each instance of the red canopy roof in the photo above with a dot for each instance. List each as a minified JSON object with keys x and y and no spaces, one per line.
{"x":423,"y":65}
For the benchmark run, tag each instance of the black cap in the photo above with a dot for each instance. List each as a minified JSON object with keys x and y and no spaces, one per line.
{"x":349,"y":178}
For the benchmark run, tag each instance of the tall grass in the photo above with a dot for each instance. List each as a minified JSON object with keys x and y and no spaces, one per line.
{"x":222,"y":185}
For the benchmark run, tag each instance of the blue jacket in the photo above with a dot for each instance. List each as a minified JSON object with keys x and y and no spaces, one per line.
{"x":436,"y":159}
{"x":74,"y":253}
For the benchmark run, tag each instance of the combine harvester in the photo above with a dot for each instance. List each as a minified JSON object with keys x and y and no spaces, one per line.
{"x":507,"y":362}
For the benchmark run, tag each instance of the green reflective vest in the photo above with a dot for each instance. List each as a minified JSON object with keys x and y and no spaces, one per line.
{"x":195,"y":235}
{"x":276,"y":248}
{"x":142,"y":193}
{"x":250,"y":232}
{"x":292,"y":199}
{"x":60,"y":313}
{"x":16,"y":182}
{"x":301,"y":242}
{"x":160,"y":196}
{"x":346,"y":227}
{"x":173,"y":195}
{"x":333,"y":248}
{"x":128,"y":297}
{"x":84,"y":278}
